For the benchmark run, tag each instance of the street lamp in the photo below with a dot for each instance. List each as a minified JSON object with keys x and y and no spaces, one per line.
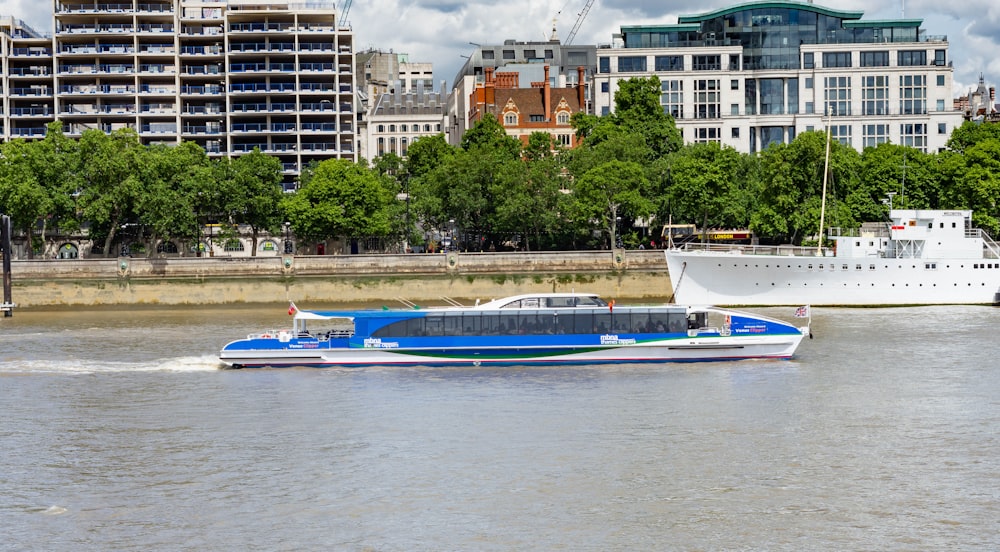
{"x":288,"y":242}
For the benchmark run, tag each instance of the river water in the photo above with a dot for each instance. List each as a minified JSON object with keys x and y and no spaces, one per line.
{"x":119,"y":431}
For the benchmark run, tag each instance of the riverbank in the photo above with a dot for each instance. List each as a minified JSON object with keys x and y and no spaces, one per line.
{"x":421,"y":278}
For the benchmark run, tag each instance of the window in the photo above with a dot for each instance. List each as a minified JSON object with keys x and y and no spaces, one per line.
{"x":940,"y":105}
{"x":873,"y":135}
{"x":836,"y":59}
{"x":706,"y":99}
{"x":911,"y":58}
{"x":939,"y":58}
{"x":772,"y":96}
{"x":672,"y":98}
{"x":913,"y":94}
{"x":669,"y":63}
{"x":810,"y":107}
{"x":706,"y":63}
{"x":381,"y":128}
{"x":875,"y":95}
{"x":734,"y":62}
{"x":548,"y":54}
{"x":603,"y":65}
{"x":809,"y":83}
{"x":536,"y":118}
{"x":392,"y":128}
{"x":940,"y":80}
{"x":837,"y":96}
{"x":734,"y":84}
{"x":605,"y":110}
{"x":942,"y":128}
{"x":704,"y":135}
{"x":914,"y":135}
{"x":562,"y":118}
{"x":874,"y":59}
{"x":841,"y":133}
{"x":529,"y":54}
{"x":510,"y":118}
{"x":565,"y":140}
{"x":632,"y":64}
{"x":734,"y":109}
{"x":807,"y":60}
{"x":736,"y":132}
{"x":489,"y":54}
{"x":508,"y":54}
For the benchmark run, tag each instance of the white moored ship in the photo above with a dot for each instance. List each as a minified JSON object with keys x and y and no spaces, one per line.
{"x":921,"y":257}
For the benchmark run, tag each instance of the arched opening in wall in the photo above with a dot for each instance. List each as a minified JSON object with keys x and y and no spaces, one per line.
{"x":167,"y":247}
{"x":233,"y":245}
{"x":268,"y":246}
{"x":68,"y":251}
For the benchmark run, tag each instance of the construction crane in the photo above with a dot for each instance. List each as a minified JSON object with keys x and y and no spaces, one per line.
{"x":579,"y":21}
{"x":346,"y":7}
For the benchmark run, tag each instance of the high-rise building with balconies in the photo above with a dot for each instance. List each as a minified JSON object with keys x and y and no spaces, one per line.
{"x":230,"y":76}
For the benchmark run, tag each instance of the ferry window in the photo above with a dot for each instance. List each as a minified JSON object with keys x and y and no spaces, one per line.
{"x":472,"y":324}
{"x":871,"y":267}
{"x":641,"y":322}
{"x":413,"y":327}
{"x":583,"y":322}
{"x":590,"y":302}
{"x":491,"y":324}
{"x":559,"y":302}
{"x":564,"y":322}
{"x":508,"y":324}
{"x":452,"y":325}
{"x":677,"y":322}
{"x":660,"y":321}
{"x":434,"y":325}
{"x":602,"y":323}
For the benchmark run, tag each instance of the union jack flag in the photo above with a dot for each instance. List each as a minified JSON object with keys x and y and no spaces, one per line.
{"x":802,"y":312}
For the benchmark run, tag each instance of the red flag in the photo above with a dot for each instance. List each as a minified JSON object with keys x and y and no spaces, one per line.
{"x":611,"y":305}
{"x":292,"y":309}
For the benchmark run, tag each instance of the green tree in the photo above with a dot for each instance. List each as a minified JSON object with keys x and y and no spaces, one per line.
{"x":21,"y":196}
{"x":111,"y":172}
{"x":706,"y":184}
{"x":609,"y":191}
{"x":342,"y":199}
{"x":972,"y":181}
{"x":252,"y":192}
{"x":166,"y":204}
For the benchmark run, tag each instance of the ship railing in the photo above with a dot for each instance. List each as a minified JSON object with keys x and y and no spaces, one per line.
{"x":780,"y":250}
{"x":991,"y":250}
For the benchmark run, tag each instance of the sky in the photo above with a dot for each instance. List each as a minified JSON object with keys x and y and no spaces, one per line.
{"x":442,"y":31}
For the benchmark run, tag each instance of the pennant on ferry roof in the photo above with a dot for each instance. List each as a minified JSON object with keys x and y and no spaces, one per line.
{"x":292,"y":309}
{"x":802,"y":312}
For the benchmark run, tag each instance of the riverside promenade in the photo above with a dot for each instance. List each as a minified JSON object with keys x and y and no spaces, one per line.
{"x":426,"y":279}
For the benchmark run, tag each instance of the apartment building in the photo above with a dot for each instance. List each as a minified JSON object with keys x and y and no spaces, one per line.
{"x":231,"y":76}
{"x":761,"y":72}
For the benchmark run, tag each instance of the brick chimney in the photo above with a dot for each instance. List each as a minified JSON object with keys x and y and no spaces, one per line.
{"x":547,"y":98}
{"x":581,"y":87}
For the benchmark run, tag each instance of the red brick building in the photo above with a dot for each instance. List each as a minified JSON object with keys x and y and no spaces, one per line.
{"x":522,"y":111}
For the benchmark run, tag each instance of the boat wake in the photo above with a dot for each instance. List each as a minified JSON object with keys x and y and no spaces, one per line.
{"x":205,"y":363}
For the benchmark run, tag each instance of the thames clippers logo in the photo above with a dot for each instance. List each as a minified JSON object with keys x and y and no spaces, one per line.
{"x":377,"y":343}
{"x":607,"y":339}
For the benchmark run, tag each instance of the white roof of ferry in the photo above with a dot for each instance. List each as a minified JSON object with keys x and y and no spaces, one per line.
{"x":497,"y":303}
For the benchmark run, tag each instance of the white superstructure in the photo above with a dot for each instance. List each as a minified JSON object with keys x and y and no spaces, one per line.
{"x":923,"y":257}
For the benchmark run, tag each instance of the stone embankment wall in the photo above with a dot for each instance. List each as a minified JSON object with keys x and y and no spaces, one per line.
{"x":421,"y":278}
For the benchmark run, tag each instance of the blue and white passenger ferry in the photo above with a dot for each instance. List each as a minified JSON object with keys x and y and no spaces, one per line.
{"x":537,"y":329}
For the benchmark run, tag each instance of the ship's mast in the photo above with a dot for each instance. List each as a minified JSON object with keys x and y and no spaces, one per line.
{"x":826,"y":172}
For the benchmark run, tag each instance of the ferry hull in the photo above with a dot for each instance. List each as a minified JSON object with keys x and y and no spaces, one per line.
{"x":698,"y":349}
{"x":725,"y":278}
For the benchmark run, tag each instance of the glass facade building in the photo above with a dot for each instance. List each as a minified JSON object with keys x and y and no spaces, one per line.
{"x":789,"y":67}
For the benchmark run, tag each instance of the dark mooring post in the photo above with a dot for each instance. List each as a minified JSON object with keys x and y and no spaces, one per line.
{"x":8,"y":304}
